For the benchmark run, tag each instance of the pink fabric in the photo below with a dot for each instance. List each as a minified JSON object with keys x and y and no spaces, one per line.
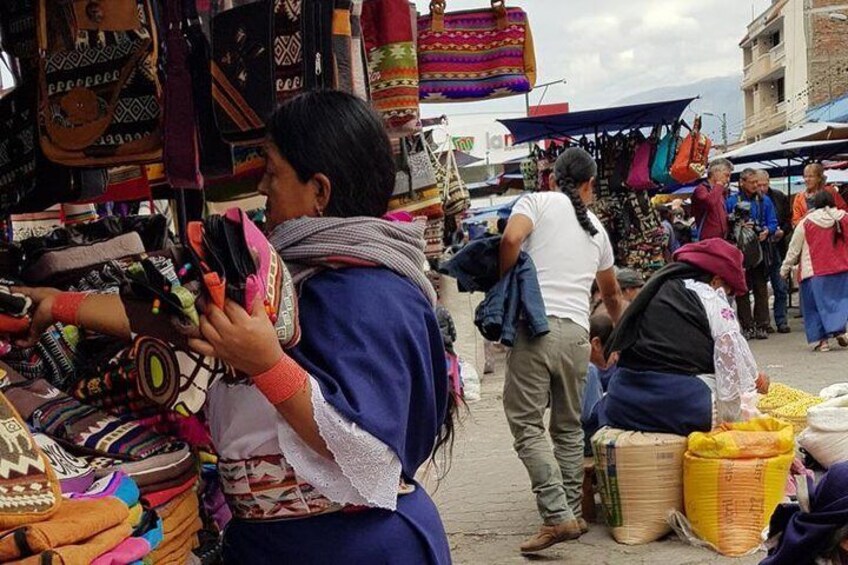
{"x":128,"y":551}
{"x":639,"y":177}
{"x":719,"y":258}
{"x":404,"y":217}
{"x":827,"y":258}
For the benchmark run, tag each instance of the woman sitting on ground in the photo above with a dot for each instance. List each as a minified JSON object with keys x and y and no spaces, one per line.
{"x":683,"y":365}
{"x":820,"y":245}
{"x":323,"y":444}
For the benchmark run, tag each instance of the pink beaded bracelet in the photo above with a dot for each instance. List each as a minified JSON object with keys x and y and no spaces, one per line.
{"x":282,"y":381}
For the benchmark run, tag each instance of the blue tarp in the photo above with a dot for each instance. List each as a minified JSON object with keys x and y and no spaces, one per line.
{"x":835,"y":111}
{"x":616,"y":119}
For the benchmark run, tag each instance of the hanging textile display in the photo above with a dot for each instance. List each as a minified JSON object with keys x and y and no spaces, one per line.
{"x":389,"y":38}
{"x":474,"y":54}
{"x":100,"y":93}
{"x":17,"y":145}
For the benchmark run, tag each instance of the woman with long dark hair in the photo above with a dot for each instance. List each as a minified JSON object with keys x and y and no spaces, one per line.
{"x":820,"y":246}
{"x":569,"y":248}
{"x":320,"y":449}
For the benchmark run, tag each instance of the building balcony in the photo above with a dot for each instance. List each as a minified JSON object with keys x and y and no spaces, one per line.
{"x":767,"y":66}
{"x":767,"y":121}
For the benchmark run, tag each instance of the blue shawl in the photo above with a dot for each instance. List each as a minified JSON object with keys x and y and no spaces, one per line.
{"x":371,"y":340}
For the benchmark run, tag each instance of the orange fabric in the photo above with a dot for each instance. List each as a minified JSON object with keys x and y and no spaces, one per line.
{"x":180,"y":524}
{"x":799,"y":205}
{"x":85,"y":552}
{"x":75,"y":522}
{"x":176,"y":545}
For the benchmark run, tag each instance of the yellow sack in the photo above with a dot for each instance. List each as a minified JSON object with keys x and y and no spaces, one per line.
{"x":733,"y":478}
{"x":640,"y":478}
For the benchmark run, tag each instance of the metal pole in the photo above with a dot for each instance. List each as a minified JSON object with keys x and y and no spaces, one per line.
{"x":724,"y":131}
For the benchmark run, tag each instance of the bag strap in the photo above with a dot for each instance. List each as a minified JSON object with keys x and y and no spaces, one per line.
{"x":437,"y":14}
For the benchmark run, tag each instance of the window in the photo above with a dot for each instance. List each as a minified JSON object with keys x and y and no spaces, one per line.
{"x":756,"y":42}
{"x":780,"y":88}
{"x":775,"y":39}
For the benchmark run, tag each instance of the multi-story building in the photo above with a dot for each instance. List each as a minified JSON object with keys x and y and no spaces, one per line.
{"x":795,"y":58}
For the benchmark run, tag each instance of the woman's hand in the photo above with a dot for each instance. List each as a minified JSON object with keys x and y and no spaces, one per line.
{"x":42,"y":312}
{"x":247,"y":342}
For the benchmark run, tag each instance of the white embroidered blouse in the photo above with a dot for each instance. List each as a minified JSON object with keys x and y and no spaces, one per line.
{"x":244,"y":425}
{"x":735,"y":367}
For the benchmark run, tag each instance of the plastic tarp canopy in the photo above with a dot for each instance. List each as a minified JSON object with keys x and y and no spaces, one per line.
{"x":615,"y":119}
{"x":786,"y":146}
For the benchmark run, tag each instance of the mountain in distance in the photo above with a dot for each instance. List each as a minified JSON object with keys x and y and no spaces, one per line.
{"x":718,"y":95}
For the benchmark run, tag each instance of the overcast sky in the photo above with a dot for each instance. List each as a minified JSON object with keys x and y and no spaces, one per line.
{"x":609,"y":49}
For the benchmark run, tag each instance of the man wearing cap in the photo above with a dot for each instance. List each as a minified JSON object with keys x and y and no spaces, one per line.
{"x":631,"y":282}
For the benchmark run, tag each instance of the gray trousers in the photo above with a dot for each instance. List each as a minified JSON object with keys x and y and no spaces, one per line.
{"x":549,"y":369}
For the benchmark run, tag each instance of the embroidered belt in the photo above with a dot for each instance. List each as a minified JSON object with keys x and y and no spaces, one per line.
{"x":266,"y":488}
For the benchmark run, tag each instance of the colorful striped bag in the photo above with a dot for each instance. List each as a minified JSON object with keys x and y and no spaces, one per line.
{"x":474,"y":54}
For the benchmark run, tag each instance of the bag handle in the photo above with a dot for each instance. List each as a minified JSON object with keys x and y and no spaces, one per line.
{"x":437,"y":14}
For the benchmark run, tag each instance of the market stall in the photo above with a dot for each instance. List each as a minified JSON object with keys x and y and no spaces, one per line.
{"x":113,"y":111}
{"x":640,"y":149}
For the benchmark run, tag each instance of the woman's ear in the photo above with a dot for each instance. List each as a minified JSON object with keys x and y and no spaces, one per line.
{"x":323,"y":189}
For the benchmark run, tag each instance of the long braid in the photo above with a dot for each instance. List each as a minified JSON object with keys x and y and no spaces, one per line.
{"x":574,"y":167}
{"x":569,"y":187}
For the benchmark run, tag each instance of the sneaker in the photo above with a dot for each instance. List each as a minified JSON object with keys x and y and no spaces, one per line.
{"x":748,"y":333}
{"x":770,"y":329}
{"x":842,"y":340}
{"x":552,"y":535}
{"x":760,"y":333}
{"x":784,"y":329}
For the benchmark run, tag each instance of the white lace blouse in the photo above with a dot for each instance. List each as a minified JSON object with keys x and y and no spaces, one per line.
{"x":365,"y":472}
{"x":735,"y":367}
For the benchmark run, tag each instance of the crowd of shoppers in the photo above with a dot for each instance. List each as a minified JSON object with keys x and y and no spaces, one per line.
{"x":759,"y":212}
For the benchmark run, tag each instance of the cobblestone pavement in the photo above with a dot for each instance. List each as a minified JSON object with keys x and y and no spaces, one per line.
{"x":485,"y":499}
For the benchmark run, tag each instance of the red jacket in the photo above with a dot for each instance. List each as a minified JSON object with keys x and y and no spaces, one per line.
{"x":709,"y":210}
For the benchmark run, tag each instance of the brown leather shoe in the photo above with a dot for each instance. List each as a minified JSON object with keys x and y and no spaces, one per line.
{"x":550,"y":535}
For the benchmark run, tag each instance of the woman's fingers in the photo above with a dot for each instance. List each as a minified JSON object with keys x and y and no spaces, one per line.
{"x":209,"y":331}
{"x":218,"y":319}
{"x":202,"y":347}
{"x":236,"y":314}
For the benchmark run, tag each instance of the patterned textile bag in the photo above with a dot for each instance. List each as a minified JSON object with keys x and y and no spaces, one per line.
{"x":474,"y":54}
{"x":29,"y":489}
{"x":17,"y":146}
{"x":417,"y":190}
{"x":243,"y":70}
{"x":100,"y":93}
{"x":457,"y":199}
{"x":17,"y":28}
{"x":264,"y":53}
{"x":392,"y":63}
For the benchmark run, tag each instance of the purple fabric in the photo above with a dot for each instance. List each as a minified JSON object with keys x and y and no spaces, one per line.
{"x":181,"y":157}
{"x":806,"y":535}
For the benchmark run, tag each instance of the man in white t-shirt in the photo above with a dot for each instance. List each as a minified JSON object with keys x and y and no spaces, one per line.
{"x":570,"y":249}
